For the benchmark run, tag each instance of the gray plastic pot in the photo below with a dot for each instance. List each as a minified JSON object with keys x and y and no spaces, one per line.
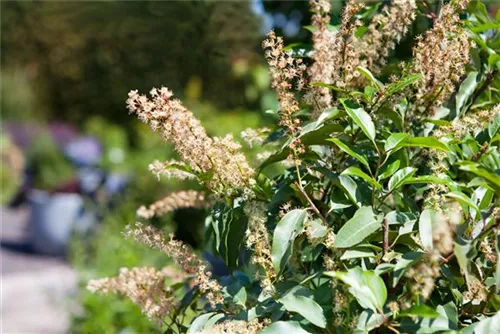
{"x":52,"y":220}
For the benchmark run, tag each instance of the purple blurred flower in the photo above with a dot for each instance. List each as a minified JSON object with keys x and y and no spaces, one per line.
{"x":84,"y":151}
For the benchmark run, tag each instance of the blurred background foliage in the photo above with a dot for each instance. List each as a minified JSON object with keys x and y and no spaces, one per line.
{"x":81,"y":58}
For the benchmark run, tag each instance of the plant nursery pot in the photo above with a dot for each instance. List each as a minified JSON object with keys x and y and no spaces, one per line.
{"x":52,"y":221}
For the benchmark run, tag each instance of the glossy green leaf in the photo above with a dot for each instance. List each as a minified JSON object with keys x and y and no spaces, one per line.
{"x":355,"y":171}
{"x":464,"y":93}
{"x":487,"y":325}
{"x":300,"y":300}
{"x":326,"y":115}
{"x":477,"y":169}
{"x":395,"y":141}
{"x":357,"y":253}
{"x":402,"y":84}
{"x":198,"y":324}
{"x":426,"y":224}
{"x":344,"y":147}
{"x":352,"y":189}
{"x":427,"y":142}
{"x":494,"y":125}
{"x":399,"y":178}
{"x":429,"y":179}
{"x":360,"y":226}
{"x":229,"y":226}
{"x":421,"y":310}
{"x":285,"y":233}
{"x":281,"y":327}
{"x":367,"y":287}
{"x":482,"y":197}
{"x":464,"y":251}
{"x":369,"y":75}
{"x":369,"y":320}
{"x":463,"y":198}
{"x":361,"y":118}
{"x":425,"y":325}
{"x":389,"y":170}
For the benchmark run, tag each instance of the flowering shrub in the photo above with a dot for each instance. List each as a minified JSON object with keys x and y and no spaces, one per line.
{"x":386,"y":213}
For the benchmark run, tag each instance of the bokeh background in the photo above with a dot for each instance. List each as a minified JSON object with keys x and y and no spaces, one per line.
{"x":74,"y":164}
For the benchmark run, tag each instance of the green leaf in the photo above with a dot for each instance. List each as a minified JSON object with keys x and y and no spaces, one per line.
{"x":482,"y":196}
{"x":424,"y":325}
{"x":428,"y":220}
{"x":369,"y":320}
{"x":355,"y":171}
{"x":494,"y":125}
{"x":399,"y":178}
{"x":477,"y":169}
{"x":369,"y":75}
{"x":487,"y":325}
{"x":494,"y":61}
{"x":350,"y":188}
{"x":357,"y":253}
{"x":281,"y":327}
{"x":358,"y":156}
{"x":229,"y":225}
{"x":395,"y":141}
{"x":300,"y":300}
{"x":466,"y":89}
{"x":310,"y":135}
{"x":429,"y":179}
{"x":377,"y":286}
{"x":485,"y":27}
{"x":362,"y":119}
{"x":464,"y":251}
{"x":389,"y":170}
{"x":235,"y":290}
{"x":401,"y":84}
{"x":421,"y":310}
{"x":198,"y":324}
{"x":450,"y":311}
{"x":367,"y":287}
{"x":355,"y":230}
{"x":326,"y":115}
{"x":285,"y":233}
{"x":463,"y":198}
{"x":427,"y":142}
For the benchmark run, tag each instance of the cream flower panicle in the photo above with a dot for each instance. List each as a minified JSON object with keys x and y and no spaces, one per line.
{"x":170,"y":169}
{"x":174,"y":201}
{"x":254,"y":136}
{"x":285,"y":70}
{"x":440,"y":56}
{"x":323,"y":68}
{"x":346,"y":56}
{"x":220,"y":157}
{"x":145,"y":286}
{"x":237,"y":327}
{"x":472,"y":121}
{"x":384,"y":32}
{"x":257,"y":239}
{"x":180,"y":254}
{"x":337,"y":55}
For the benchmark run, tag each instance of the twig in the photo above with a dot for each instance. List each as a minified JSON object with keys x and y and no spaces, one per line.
{"x":311,"y":203}
{"x":386,"y":236}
